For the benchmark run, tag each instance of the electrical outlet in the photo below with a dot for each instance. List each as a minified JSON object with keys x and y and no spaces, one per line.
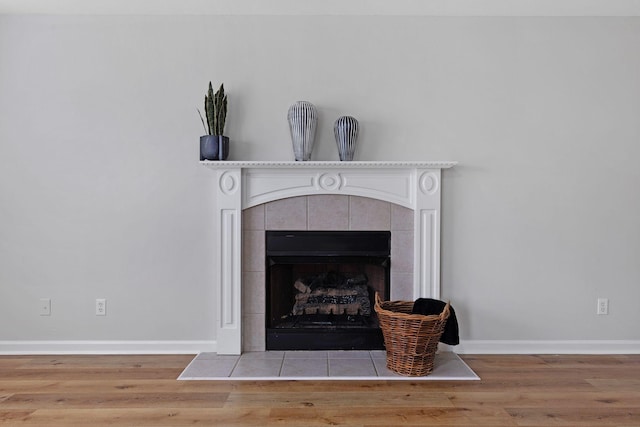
{"x":101,"y":307}
{"x":45,"y":306}
{"x":603,"y":306}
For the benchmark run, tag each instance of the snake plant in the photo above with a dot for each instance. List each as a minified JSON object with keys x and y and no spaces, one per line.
{"x":215,"y":107}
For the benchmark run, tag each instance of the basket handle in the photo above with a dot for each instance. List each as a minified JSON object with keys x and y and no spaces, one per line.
{"x":443,"y":315}
{"x":378,"y":300}
{"x":446,"y":311}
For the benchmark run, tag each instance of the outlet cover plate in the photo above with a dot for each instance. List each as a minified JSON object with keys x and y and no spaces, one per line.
{"x":45,"y":306}
{"x":101,"y":307}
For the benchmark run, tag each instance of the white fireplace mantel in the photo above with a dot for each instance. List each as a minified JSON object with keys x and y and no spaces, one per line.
{"x":243,"y":184}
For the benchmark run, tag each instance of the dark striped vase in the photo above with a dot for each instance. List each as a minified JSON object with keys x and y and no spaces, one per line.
{"x":346,"y":132}
{"x":303,"y":119}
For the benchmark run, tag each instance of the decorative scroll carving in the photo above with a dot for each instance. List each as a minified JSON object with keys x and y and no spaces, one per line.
{"x":428,"y":183}
{"x":228,"y":183}
{"x":330,"y":181}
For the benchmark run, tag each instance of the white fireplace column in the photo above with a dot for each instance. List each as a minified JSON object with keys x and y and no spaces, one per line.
{"x":241,"y":185}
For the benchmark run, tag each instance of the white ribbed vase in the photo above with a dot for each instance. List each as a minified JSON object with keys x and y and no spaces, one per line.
{"x":303,"y":119}
{"x":346,"y":132}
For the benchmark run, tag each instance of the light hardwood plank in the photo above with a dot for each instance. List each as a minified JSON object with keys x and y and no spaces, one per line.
{"x":144,"y":417}
{"x":519,"y":390}
{"x":384,"y":416}
{"x":339,"y":399}
{"x":572,"y":416}
{"x":114,"y":400}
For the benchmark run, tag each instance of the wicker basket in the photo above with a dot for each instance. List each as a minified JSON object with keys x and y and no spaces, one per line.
{"x":411,"y":340}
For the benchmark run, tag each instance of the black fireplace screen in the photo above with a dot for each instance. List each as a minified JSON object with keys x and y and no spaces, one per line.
{"x":321,"y":286}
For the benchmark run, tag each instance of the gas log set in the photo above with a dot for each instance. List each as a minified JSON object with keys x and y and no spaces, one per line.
{"x":332,"y":293}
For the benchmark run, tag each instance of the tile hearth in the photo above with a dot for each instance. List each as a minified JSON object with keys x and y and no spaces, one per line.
{"x":315,"y":365}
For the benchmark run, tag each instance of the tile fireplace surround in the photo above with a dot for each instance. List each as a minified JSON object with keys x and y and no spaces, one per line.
{"x":253,"y":196}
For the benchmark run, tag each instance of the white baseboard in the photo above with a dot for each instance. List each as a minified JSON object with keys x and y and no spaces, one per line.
{"x":195,"y":347}
{"x":105,"y":347}
{"x":545,"y":347}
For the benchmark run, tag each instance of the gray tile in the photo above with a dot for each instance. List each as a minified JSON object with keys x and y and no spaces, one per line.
{"x":449,"y":365}
{"x":253,"y":292}
{"x":402,"y":251}
{"x":401,"y":286}
{"x":381,"y":368}
{"x":351,"y":368}
{"x":253,"y":218}
{"x":304,"y":368}
{"x":253,"y":250}
{"x":349,"y":354}
{"x":328,"y":212}
{"x":286,"y":214}
{"x":209,"y":368}
{"x":401,"y":218}
{"x":253,"y":332}
{"x":253,"y":355}
{"x":369,"y":214}
{"x":257,"y":368}
{"x":306,"y":355}
{"x":378,"y":354}
{"x":216,"y":356}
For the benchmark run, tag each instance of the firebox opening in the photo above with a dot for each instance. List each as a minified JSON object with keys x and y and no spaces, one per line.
{"x":321,"y":287}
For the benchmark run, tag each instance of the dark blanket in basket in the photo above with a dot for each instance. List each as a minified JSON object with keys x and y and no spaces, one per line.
{"x":428,"y":306}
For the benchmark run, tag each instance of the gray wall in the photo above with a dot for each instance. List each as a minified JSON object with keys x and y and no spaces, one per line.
{"x":102,"y":196}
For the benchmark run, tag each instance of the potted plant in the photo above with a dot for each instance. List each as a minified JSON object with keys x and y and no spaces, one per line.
{"x":214,"y":145}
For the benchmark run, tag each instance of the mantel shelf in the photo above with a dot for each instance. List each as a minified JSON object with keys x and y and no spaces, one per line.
{"x":224,"y":164}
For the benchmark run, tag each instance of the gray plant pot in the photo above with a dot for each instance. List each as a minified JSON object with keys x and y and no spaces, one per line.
{"x":214,"y":147}
{"x":209,"y":147}
{"x":223,"y":147}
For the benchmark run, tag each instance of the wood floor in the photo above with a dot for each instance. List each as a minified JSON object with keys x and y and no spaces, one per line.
{"x":143,"y":391}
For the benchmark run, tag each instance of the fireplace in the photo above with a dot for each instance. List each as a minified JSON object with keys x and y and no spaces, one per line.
{"x":320,"y":288}
{"x":247,"y":186}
